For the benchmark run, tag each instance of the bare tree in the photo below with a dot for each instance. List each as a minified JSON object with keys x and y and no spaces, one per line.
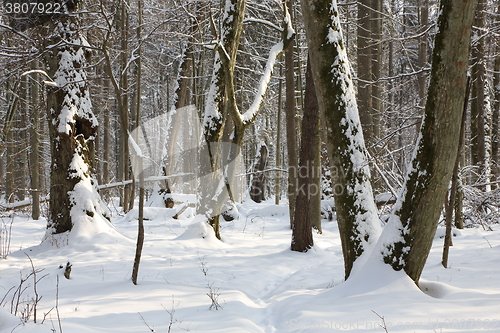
{"x":355,"y":206}
{"x":416,"y":214}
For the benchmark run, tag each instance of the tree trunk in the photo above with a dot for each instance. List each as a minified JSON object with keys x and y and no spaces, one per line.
{"x":124,"y":165}
{"x":72,"y":128}
{"x":258,"y":187}
{"x":35,"y":147}
{"x":20,"y":181}
{"x":423,"y":50}
{"x":221,"y":103}
{"x":277,"y":177}
{"x":495,"y":117}
{"x":416,"y":213}
{"x":376,"y":67}
{"x":478,"y":107}
{"x":356,"y":211}
{"x":140,"y":231}
{"x":365,"y":69}
{"x":291,"y":125}
{"x":451,"y":201}
{"x":302,"y":239}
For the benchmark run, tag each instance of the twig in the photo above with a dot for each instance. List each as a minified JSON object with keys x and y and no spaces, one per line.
{"x":5,"y":296}
{"x":45,"y":315}
{"x":57,"y":305}
{"x":484,"y":239}
{"x":213,"y":294}
{"x":203,"y":265}
{"x":171,"y":313}
{"x":145,"y":323}
{"x":384,"y":325}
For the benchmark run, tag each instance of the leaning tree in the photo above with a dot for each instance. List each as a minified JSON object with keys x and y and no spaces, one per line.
{"x":221,"y":108}
{"x":407,"y":239}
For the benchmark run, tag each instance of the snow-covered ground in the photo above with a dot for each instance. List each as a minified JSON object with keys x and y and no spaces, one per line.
{"x":259,"y":284}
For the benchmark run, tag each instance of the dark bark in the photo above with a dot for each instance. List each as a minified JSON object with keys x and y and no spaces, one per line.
{"x":495,"y":117}
{"x":365,"y":68}
{"x":291,"y":125}
{"x":355,"y":206}
{"x":277,"y":177}
{"x":302,"y":239}
{"x":417,"y":212}
{"x":478,"y":112}
{"x":221,"y":104}
{"x":70,"y":138}
{"x":140,"y":227}
{"x":451,"y":201}
{"x":258,"y":187}
{"x":35,"y":148}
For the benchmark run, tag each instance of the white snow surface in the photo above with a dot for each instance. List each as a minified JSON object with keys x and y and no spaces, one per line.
{"x":263,"y":286}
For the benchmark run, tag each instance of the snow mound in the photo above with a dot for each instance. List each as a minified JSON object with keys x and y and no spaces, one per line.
{"x":376,"y":277}
{"x":151,"y":213}
{"x":441,"y":232}
{"x":273,"y":210}
{"x":199,"y":229}
{"x":6,"y":319}
{"x":436,"y":289}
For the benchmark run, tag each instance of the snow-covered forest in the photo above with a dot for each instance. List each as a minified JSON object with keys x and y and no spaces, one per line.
{"x":249,"y":166}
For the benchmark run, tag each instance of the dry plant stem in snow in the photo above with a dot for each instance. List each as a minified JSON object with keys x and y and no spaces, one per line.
{"x":213,"y":294}
{"x":37,"y":298}
{"x":5,"y":234}
{"x":383,"y":325}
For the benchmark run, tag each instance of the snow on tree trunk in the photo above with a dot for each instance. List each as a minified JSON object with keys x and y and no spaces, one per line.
{"x":359,"y":225}
{"x":407,"y":238}
{"x":74,"y":201}
{"x":221,"y":103}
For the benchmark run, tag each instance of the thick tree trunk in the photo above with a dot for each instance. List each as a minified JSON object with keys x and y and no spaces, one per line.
{"x":450,"y":203}
{"x":417,"y":211}
{"x":72,"y":128}
{"x":302,"y":239}
{"x":221,"y":103}
{"x":356,"y":211}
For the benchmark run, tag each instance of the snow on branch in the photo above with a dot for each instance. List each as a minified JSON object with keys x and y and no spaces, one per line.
{"x":276,"y":51}
{"x":265,"y":22}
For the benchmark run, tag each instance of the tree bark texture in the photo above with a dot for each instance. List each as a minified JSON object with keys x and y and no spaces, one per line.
{"x":257,"y":189}
{"x":365,"y":68}
{"x":302,"y":239}
{"x":416,"y":213}
{"x":291,"y":125}
{"x":72,"y":127}
{"x":356,"y":211}
{"x":220,"y":104}
{"x":35,"y":148}
{"x":478,"y":106}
